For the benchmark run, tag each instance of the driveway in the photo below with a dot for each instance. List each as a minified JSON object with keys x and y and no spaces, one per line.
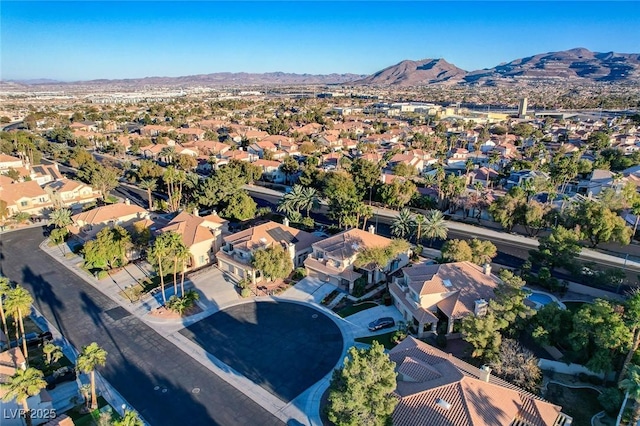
{"x":167,"y":386}
{"x":216,"y":287}
{"x":361,"y":320}
{"x":309,"y":290}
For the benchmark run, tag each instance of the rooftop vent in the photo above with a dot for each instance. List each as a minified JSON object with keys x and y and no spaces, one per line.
{"x":263,"y":240}
{"x":443,"y":404}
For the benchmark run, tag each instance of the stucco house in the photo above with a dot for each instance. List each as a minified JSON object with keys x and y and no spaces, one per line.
{"x":236,"y":254}
{"x":24,"y":197}
{"x":71,"y":193}
{"x":333,"y":258}
{"x":87,"y":224}
{"x":437,"y":389}
{"x":428,"y":295}
{"x":201,"y":235}
{"x":10,"y":361}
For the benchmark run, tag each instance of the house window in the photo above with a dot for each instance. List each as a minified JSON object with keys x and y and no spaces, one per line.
{"x":24,"y":203}
{"x":202,"y":261}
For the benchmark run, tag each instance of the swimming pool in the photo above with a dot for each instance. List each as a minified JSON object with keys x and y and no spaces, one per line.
{"x":540,"y":298}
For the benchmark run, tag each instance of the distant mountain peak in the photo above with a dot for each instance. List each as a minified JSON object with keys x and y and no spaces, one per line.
{"x":574,"y":65}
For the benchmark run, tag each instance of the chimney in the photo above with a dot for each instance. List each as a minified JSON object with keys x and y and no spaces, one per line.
{"x":372,"y":229}
{"x":485,"y":373}
{"x":486,"y":269}
{"x":127,"y":201}
{"x":285,"y":221}
{"x":214,"y":212}
{"x":196,"y":212}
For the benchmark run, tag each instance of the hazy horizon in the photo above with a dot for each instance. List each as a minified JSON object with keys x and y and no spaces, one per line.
{"x":79,"y":41}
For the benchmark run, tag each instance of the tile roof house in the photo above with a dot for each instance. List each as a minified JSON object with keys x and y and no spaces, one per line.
{"x":87,"y":224}
{"x":9,"y":162}
{"x":10,"y":361}
{"x":437,"y":389}
{"x":27,"y":197}
{"x":71,"y":193}
{"x":443,"y":293}
{"x":235,"y":256}
{"x":201,"y":235}
{"x":333,"y":259}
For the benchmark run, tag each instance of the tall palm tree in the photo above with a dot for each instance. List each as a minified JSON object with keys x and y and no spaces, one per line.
{"x":149,"y":185}
{"x":60,"y":218}
{"x":18,"y":304}
{"x":176,"y":249}
{"x":22,"y":385}
{"x":183,"y":255}
{"x":419,"y":221}
{"x":631,"y":386}
{"x":5,"y":287}
{"x":156,"y":256}
{"x":308,"y":199}
{"x":402,"y":226}
{"x":168,"y":153}
{"x":435,"y":226}
{"x":92,"y":356}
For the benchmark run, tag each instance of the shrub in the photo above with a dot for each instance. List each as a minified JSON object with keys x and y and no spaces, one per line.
{"x":399,"y":336}
{"x":359,"y":287}
{"x":263,"y":211}
{"x":244,"y":284}
{"x":611,"y":399}
{"x":102,"y":275}
{"x":58,"y":235}
{"x":299,"y":273}
{"x":245,"y":292}
{"x":308,"y":222}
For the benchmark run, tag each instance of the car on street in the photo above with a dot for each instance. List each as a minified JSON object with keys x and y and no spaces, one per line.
{"x":380,"y":323}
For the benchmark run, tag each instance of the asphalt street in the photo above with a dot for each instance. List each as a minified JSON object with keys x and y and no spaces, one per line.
{"x":158,"y":379}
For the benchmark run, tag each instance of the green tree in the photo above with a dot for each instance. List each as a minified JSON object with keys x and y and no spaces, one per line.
{"x":92,"y":356}
{"x":482,"y":251}
{"x":240,"y":206}
{"x":289,"y":167}
{"x":149,"y":170}
{"x":22,"y":385}
{"x":361,"y":392}
{"x":58,"y":235}
{"x":551,"y":325}
{"x":274,"y":262}
{"x":130,"y":418}
{"x":105,"y":179}
{"x":397,"y":193}
{"x":508,"y":304}
{"x":631,"y":386}
{"x":52,"y":353}
{"x":109,"y":249}
{"x":308,"y":199}
{"x":558,"y":249}
{"x":600,"y":331}
{"x":403,"y":224}
{"x":632,"y":319}
{"x":405,"y":170}
{"x":456,"y":251}
{"x":149,"y":185}
{"x":598,"y":224}
{"x":60,"y":218}
{"x":5,"y":288}
{"x":435,"y":226}
{"x":158,"y":255}
{"x":598,"y":141}
{"x":18,"y":305}
{"x":365,"y":175}
{"x":483,"y":333}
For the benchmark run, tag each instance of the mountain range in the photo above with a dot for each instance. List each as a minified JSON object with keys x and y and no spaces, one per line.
{"x":575,"y":65}
{"x":570,"y":66}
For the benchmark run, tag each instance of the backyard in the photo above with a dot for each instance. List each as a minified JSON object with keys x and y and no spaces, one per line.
{"x":581,"y":404}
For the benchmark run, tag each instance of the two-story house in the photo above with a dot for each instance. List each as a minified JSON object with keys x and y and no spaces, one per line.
{"x":201,"y":235}
{"x":333,"y":258}
{"x":271,"y":170}
{"x":71,"y":193}
{"x":237,"y":251}
{"x":430,"y":294}
{"x":23,"y":197}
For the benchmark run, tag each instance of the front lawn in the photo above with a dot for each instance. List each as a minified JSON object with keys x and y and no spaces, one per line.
{"x":581,"y":404}
{"x":82,"y":418}
{"x":385,"y":339}
{"x":352,"y":309}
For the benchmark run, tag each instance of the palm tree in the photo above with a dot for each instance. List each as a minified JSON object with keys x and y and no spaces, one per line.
{"x":149,"y":185}
{"x":130,"y":418}
{"x":92,"y":356}
{"x":419,"y":221}
{"x":5,"y":287}
{"x":479,"y":187}
{"x":157,"y":255}
{"x":52,"y":352}
{"x":176,"y":249}
{"x":631,"y":386}
{"x":308,"y":199}
{"x":635,"y":210}
{"x":18,"y":304}
{"x":402,"y":226}
{"x":60,"y":218}
{"x":22,"y":385}
{"x":435,"y":226}
{"x":168,"y":153}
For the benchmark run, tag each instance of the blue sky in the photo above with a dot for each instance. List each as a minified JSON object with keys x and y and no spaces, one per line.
{"x":80,"y":40}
